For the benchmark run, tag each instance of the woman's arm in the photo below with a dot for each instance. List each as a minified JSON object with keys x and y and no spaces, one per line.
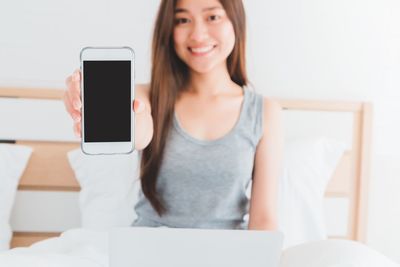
{"x":143,"y":119}
{"x":267,"y":169}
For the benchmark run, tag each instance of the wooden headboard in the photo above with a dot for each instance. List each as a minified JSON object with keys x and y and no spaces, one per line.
{"x":49,"y":170}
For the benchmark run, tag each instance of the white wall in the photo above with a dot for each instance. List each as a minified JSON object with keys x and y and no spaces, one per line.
{"x":343,"y":49}
{"x":346,"y":49}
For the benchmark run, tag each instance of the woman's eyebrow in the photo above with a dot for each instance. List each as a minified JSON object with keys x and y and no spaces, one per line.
{"x":211,"y":8}
{"x":180,"y":10}
{"x":183,"y":10}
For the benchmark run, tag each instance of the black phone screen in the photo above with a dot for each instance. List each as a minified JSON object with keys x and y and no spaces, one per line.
{"x":107,"y":101}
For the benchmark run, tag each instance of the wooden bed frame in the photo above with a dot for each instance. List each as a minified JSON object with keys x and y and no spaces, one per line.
{"x":49,"y":170}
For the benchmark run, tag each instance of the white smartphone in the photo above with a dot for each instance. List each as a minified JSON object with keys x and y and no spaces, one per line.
{"x":107,"y":92}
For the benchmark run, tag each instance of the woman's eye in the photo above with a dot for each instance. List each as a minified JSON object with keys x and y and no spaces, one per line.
{"x":214,"y":17}
{"x":181,"y":20}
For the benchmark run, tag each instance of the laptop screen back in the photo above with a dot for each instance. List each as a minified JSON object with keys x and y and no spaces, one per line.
{"x":158,"y":247}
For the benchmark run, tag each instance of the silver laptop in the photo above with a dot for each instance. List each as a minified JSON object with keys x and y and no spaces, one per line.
{"x":171,"y":247}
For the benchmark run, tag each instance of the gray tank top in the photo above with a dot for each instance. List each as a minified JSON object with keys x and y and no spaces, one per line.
{"x":203,"y":183}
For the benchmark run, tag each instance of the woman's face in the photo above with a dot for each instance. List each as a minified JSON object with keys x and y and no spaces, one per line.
{"x":203,"y":34}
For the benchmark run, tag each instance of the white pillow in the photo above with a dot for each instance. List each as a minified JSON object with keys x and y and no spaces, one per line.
{"x":13,"y":160}
{"x":334,"y":253}
{"x":308,"y":166}
{"x":109,"y":187}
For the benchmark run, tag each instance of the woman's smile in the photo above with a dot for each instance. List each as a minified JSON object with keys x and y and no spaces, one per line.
{"x":201,"y":50}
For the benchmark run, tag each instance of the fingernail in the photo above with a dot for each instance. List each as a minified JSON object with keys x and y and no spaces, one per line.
{"x":76,"y":76}
{"x":139,"y":107}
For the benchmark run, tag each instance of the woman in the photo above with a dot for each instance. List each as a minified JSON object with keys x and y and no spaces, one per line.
{"x":203,"y":135}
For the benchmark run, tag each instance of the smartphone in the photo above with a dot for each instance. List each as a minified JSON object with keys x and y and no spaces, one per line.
{"x":107,"y":93}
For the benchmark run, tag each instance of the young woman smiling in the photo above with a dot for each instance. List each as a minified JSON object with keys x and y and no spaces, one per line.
{"x":203,"y":135}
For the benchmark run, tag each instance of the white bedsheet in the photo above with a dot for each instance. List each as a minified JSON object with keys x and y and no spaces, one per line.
{"x":74,"y":248}
{"x":87,"y":248}
{"x":334,"y":253}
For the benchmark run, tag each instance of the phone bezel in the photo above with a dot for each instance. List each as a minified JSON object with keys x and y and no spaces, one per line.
{"x":107,"y":53}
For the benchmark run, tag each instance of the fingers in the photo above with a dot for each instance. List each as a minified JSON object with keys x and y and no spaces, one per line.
{"x":75,"y":114}
{"x":77,"y":130}
{"x":74,"y":89}
{"x":67,"y":103}
{"x":138,"y":106}
{"x":71,"y":98}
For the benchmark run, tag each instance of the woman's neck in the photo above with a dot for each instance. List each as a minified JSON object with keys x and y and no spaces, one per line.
{"x":211,"y":84}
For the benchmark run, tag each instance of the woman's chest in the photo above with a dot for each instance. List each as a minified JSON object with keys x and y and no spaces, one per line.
{"x":220,"y":164}
{"x":208,"y":120}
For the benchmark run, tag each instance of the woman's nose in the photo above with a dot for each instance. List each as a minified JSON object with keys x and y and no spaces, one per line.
{"x":199,"y":31}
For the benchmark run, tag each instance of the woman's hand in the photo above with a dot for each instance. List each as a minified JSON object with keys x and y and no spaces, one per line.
{"x":72,"y":100}
{"x":143,"y":119}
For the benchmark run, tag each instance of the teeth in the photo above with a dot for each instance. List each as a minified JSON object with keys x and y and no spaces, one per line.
{"x":202,"y":49}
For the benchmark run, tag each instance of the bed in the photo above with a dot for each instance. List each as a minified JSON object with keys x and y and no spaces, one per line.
{"x":49,"y":170}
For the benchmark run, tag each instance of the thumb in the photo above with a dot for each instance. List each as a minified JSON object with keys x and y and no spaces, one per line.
{"x":138,"y":106}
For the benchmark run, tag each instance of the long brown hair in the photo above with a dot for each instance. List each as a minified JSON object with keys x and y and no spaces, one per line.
{"x":169,"y":75}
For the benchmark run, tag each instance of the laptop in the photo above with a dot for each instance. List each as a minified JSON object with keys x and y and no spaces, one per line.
{"x":172,"y":247}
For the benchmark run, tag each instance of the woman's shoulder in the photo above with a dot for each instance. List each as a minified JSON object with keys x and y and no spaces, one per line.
{"x":272,"y":114}
{"x":269,"y":103}
{"x":269,"y":114}
{"x":268,"y":107}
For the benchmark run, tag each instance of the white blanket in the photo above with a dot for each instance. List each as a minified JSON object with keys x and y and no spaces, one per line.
{"x":86,"y":248}
{"x":334,"y":253}
{"x":74,"y":248}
